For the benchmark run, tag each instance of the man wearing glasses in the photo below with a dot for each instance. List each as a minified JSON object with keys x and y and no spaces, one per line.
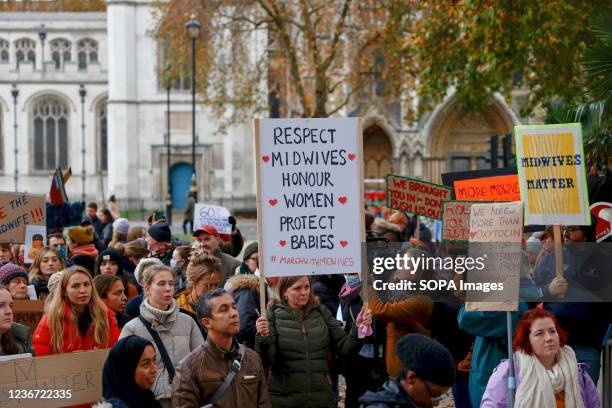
{"x":428,"y":371}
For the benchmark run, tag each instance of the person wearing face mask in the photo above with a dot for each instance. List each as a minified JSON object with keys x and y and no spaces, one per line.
{"x":75,"y":300}
{"x":14,"y":338}
{"x":15,"y":279}
{"x":112,"y":292}
{"x":58,"y":242}
{"x":174,"y":334}
{"x":178,"y":263}
{"x":129,"y":375}
{"x":203,"y":275}
{"x":547,"y":372}
{"x":250,"y":260}
{"x":47,"y":262}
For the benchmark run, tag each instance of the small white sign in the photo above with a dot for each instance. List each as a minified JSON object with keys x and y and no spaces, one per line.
{"x":206,"y":214}
{"x":34,"y":242}
{"x":310,"y":196}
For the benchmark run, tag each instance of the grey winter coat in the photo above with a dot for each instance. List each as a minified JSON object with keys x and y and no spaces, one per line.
{"x":179,"y":333}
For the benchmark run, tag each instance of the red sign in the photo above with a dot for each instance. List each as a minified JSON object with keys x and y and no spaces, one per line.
{"x":603,"y":212}
{"x":498,"y":188}
{"x":415,"y":196}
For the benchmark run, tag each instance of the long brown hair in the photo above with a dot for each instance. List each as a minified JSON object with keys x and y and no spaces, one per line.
{"x":285,"y":283}
{"x":56,"y":313}
{"x":35,"y":268}
{"x":7,"y":342}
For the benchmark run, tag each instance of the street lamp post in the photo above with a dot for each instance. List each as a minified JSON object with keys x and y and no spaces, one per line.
{"x":169,"y":196}
{"x":42,"y":35}
{"x":15,"y":93}
{"x":193,"y":30}
{"x":82,"y":93}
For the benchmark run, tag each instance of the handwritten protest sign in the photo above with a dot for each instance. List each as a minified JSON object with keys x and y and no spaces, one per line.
{"x":552,"y":179}
{"x":498,"y":188}
{"x":495,"y":234}
{"x":310,"y":195}
{"x":17,"y":211}
{"x":69,"y":379}
{"x":206,"y":214}
{"x":28,"y":312}
{"x":416,"y":196}
{"x":456,"y":220}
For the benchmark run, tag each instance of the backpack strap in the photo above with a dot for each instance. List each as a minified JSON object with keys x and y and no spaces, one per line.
{"x":160,"y":346}
{"x":234,"y":368}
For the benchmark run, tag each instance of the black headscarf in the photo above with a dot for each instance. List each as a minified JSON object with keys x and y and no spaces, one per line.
{"x":118,"y":376}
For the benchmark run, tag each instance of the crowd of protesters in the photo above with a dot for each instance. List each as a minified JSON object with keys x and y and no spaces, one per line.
{"x":185,"y":327}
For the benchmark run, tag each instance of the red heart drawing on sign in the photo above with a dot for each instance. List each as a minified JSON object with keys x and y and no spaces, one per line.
{"x":273,"y":202}
{"x":282,"y":242}
{"x":342,"y":200}
{"x":352,"y":156}
{"x":472,"y":234}
{"x":343,"y":243}
{"x":265,"y":158}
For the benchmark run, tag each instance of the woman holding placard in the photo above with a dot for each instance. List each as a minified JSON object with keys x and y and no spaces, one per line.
{"x":47,"y":262}
{"x":295,"y":340}
{"x":14,"y":338}
{"x":75,"y":319}
{"x":547,"y":372}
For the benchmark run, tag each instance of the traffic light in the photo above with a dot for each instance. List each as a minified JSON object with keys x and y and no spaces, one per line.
{"x":507,"y":146}
{"x":493,"y":153}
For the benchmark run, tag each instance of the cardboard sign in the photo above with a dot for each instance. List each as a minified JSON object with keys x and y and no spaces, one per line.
{"x":603,"y":213}
{"x":206,"y":214}
{"x":69,"y":379}
{"x":17,"y":211}
{"x":498,"y":188}
{"x":28,"y":312}
{"x":552,"y":178}
{"x":416,"y":196}
{"x":309,"y":196}
{"x":456,"y":220}
{"x":495,"y":234}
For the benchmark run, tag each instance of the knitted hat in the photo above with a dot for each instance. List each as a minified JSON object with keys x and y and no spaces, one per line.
{"x":121,"y":225}
{"x":81,"y":235}
{"x":109,"y":255}
{"x":207,"y":229}
{"x":534,"y":245}
{"x":144,"y":262}
{"x":54,"y":281}
{"x":250,"y":250}
{"x":429,"y":360}
{"x":160,"y":232}
{"x":10,"y":271}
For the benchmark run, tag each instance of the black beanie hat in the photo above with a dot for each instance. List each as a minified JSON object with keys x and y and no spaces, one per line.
{"x":109,"y":254}
{"x":429,"y":360}
{"x":160,"y":232}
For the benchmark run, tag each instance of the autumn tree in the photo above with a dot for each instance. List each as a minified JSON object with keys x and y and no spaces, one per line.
{"x":319,"y":55}
{"x":53,"y":5}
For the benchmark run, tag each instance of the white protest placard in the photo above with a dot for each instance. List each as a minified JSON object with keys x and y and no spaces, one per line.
{"x":207,"y":214}
{"x":495,"y":235}
{"x":310,"y":196}
{"x":35,"y":238}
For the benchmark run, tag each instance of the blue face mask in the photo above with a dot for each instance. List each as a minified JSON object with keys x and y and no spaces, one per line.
{"x":62,"y":250}
{"x":352,"y":280}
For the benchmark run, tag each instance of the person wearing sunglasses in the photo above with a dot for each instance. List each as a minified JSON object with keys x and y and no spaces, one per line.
{"x":427,"y":373}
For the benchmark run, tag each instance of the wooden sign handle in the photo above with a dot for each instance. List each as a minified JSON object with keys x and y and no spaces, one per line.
{"x":417,"y":231}
{"x":558,"y":242}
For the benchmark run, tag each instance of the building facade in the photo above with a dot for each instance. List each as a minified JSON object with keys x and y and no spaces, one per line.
{"x":82,"y":90}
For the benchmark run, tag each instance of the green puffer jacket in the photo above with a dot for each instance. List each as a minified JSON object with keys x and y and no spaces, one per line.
{"x":299,"y":375}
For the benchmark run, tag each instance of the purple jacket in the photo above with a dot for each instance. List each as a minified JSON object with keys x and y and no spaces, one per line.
{"x":496,"y":392}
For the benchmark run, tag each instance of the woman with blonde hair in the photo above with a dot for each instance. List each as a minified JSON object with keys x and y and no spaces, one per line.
{"x":174,"y":334}
{"x":75,"y":319}
{"x":47,"y":262}
{"x":203,"y":275}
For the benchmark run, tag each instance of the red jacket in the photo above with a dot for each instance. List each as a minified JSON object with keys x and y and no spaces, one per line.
{"x":41,"y":341}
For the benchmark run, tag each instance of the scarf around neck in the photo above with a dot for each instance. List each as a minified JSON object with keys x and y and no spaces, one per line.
{"x":161,"y":317}
{"x":538,"y":386}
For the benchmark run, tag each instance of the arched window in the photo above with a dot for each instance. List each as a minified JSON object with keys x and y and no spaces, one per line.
{"x":50,"y":125}
{"x":87,"y":52}
{"x":4,"y":51}
{"x":60,"y":52}
{"x":25,"y":51}
{"x":102,"y":136}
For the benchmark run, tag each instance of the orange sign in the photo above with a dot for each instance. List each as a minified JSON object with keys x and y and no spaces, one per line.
{"x":498,"y":188}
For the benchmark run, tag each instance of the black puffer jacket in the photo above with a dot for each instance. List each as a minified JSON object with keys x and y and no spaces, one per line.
{"x":297,"y":351}
{"x":245,"y":290}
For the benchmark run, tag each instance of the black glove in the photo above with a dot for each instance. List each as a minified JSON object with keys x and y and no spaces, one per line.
{"x":232,"y":221}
